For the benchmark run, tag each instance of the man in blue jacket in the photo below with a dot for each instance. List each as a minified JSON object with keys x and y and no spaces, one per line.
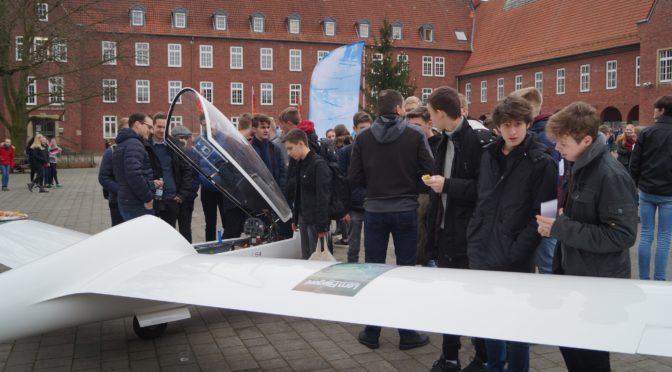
{"x":132,"y":169}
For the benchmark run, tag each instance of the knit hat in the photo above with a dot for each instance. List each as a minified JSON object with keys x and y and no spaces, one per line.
{"x":180,"y":130}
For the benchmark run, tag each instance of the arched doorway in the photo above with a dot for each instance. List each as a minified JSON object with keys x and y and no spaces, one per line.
{"x":633,"y":115}
{"x":612,"y":117}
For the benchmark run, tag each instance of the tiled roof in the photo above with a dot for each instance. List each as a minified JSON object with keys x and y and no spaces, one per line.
{"x":538,"y":30}
{"x":445,"y":15}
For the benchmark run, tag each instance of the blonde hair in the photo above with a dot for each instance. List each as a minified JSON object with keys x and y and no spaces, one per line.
{"x":37,"y":142}
{"x":531,"y":95}
{"x":621,"y":137}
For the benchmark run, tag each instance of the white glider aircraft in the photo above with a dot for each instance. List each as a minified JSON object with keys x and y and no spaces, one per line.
{"x":60,"y":278}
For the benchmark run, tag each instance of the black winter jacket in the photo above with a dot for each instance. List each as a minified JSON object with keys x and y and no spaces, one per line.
{"x":313,"y":192}
{"x":132,"y":169}
{"x":461,"y":193}
{"x":38,"y":157}
{"x":181,"y":171}
{"x":651,"y":160}
{"x":599,"y":224}
{"x":502,"y":235}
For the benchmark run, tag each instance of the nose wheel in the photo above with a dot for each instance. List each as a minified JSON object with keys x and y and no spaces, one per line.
{"x":149,"y":332}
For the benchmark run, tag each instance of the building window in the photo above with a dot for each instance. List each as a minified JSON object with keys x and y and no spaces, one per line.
{"x":236,"y":58}
{"x":294,"y":24}
{"x":110,"y":127}
{"x":31,"y":91}
{"x":219,"y":20}
{"x":40,"y":51}
{"x":174,"y":87}
{"x":137,"y":16}
{"x":294,"y":94}
{"x":109,"y":90}
{"x":19,"y":48}
{"x":427,"y":32}
{"x":142,"y":54}
{"x":56,"y":91}
{"x":59,"y":50}
{"x":266,"y":94}
{"x":295,"y":60}
{"x":363,"y":28}
{"x":500,"y":88}
{"x":611,"y":74}
{"x":206,"y":56}
{"x":266,"y":59}
{"x":519,"y":82}
{"x":42,"y":11}
{"x":376,"y":57}
{"x":236,"y":93}
{"x":467,"y":92}
{"x":257,"y":21}
{"x":427,"y":65}
{"x":484,"y":91}
{"x":585,"y":78}
{"x":109,"y":52}
{"x":206,"y":90}
{"x":397,"y":31}
{"x":539,"y":81}
{"x":665,"y":66}
{"x":560,"y":81}
{"x":460,"y":36}
{"x":175,"y":121}
{"x":402,"y":62}
{"x":439,"y":66}
{"x":234,"y":121}
{"x":321,"y":54}
{"x":180,"y":18}
{"x":426,"y":92}
{"x":329,"y":26}
{"x":637,"y":71}
{"x":174,"y":55}
{"x":142,"y":91}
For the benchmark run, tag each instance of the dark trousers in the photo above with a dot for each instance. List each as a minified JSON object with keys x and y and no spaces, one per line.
{"x":52,"y":174}
{"x":115,"y":215}
{"x":582,"y":360}
{"x":377,"y":229}
{"x":184,"y":219}
{"x":39,"y":177}
{"x":234,"y":221}
{"x":169,"y":211}
{"x":211,"y":202}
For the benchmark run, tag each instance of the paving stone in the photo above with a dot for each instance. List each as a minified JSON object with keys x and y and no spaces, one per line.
{"x":148,"y":365}
{"x":272,"y":364}
{"x":265,"y":352}
{"x":85,"y":363}
{"x":407,"y":365}
{"x":256,"y":341}
{"x":240,"y":363}
{"x":307,"y":364}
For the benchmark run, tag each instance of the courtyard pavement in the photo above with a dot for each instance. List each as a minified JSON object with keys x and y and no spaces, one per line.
{"x":216,"y":339}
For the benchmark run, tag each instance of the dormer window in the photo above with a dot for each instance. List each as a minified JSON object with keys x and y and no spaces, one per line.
{"x":427,"y":32}
{"x":397,"y":30}
{"x":137,"y":13}
{"x":257,"y":22}
{"x":294,"y":24}
{"x":42,"y":11}
{"x":363,"y":27}
{"x":180,"y":18}
{"x":219,"y":20}
{"x":329,"y":26}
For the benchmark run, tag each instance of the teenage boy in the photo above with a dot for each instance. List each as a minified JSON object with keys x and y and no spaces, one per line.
{"x":517,"y":174}
{"x":268,"y":151}
{"x":451,"y":203}
{"x":313,"y":191}
{"x":597,"y":222}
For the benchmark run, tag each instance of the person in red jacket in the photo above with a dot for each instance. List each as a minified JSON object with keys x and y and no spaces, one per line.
{"x":6,"y":162}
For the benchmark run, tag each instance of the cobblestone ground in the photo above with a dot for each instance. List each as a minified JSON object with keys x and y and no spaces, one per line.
{"x":214,"y":339}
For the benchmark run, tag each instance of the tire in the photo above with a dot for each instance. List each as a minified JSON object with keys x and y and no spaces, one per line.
{"x":150,"y":332}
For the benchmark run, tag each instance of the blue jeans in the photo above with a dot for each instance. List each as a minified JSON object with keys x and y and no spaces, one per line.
{"x":648,"y":203}
{"x":545,"y":253}
{"x":509,"y":356}
{"x":404,"y":229}
{"x":129,"y":212}
{"x":5,"y":175}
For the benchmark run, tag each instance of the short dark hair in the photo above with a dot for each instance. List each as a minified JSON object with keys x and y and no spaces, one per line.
{"x":664,"y":103}
{"x":290,"y":115}
{"x":512,"y":108}
{"x":136,"y":116}
{"x":576,"y":120}
{"x":361,"y":117}
{"x":244,"y":121}
{"x":420,"y":113}
{"x":295,"y":136}
{"x":447,"y":100}
{"x":260,"y":118}
{"x":159,"y":115}
{"x":388,"y":100}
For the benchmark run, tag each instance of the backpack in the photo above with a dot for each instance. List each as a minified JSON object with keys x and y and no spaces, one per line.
{"x":327,"y":151}
{"x":106,"y":194}
{"x":339,"y":203}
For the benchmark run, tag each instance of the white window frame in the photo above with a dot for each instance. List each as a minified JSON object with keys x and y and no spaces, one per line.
{"x":258,"y":24}
{"x":39,"y":51}
{"x":426,"y":92}
{"x":174,"y":87}
{"x":440,"y":66}
{"x":518,"y":83}
{"x":221,"y":22}
{"x":363,"y":30}
{"x":56,"y":96}
{"x":637,"y":71}
{"x":611,"y":77}
{"x":42,"y":12}
{"x":109,"y":52}
{"x":295,"y":60}
{"x":141,"y":86}
{"x":235,"y":88}
{"x":175,"y":120}
{"x":110,"y":126}
{"x":584,"y":78}
{"x":208,"y":90}
{"x":428,"y":35}
{"x":484,"y":91}
{"x":31,"y":91}
{"x":236,"y":58}
{"x":19,"y":48}
{"x":427,"y":66}
{"x":397,"y":32}
{"x":560,"y":81}
{"x":329,"y":28}
{"x":403,"y":58}
{"x":137,"y":15}
{"x":59,"y":50}
{"x":206,"y":56}
{"x":266,"y":59}
{"x":294,"y":94}
{"x":110,"y":85}
{"x":175,"y":55}
{"x":294,"y":26}
{"x":321,"y":54}
{"x":179,"y":19}
{"x":266,"y":91}
{"x":539,"y":81}
{"x":665,"y":66}
{"x":500,"y":89}
{"x":467,"y":92}
{"x":140,"y":50}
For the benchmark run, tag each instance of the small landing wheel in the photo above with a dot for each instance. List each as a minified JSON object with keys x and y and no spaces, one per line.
{"x":148,"y":333}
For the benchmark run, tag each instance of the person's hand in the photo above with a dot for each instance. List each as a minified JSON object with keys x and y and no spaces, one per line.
{"x":294,"y":227}
{"x":435,"y":183}
{"x":158,"y":184}
{"x":546,"y":225}
{"x":178,"y":199}
{"x":149,"y":204}
{"x":347,"y":218}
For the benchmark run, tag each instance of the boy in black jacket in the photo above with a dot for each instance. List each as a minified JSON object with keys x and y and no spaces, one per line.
{"x":597,"y":222}
{"x":313,"y":191}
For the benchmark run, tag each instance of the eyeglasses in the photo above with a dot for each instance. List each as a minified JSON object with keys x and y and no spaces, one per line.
{"x":150,"y":126}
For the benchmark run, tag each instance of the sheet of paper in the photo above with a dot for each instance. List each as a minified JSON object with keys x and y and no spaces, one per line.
{"x":549,"y":208}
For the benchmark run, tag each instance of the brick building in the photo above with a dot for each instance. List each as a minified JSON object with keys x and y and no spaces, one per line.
{"x":226,"y":49}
